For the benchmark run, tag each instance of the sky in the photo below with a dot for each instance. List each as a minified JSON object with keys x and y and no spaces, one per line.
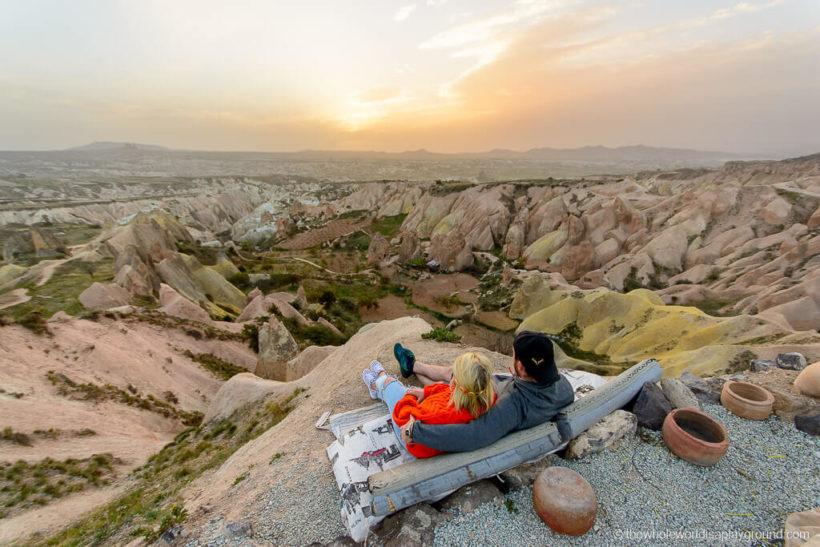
{"x":444,"y":75}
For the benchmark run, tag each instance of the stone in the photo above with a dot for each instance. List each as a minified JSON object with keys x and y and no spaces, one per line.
{"x":101,"y":296}
{"x":414,"y":526}
{"x":603,"y":435}
{"x":238,"y":529}
{"x":761,"y":365}
{"x":378,"y":249}
{"x":172,"y":534}
{"x":565,"y":501}
{"x":706,"y":391}
{"x":301,"y":301}
{"x":258,"y":307}
{"x":791,"y":361}
{"x":453,"y":324}
{"x":651,"y":407}
{"x":808,"y":423}
{"x":803,"y":528}
{"x":306,"y":361}
{"x":276,"y":348}
{"x":255,"y":292}
{"x":678,"y":394}
{"x":467,"y":499}
{"x":524,"y":474}
{"x":176,"y":305}
{"x":60,"y":317}
{"x":808,"y":381}
{"x":330,"y":326}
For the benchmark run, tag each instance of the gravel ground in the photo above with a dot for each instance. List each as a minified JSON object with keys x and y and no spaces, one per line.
{"x":311,"y":517}
{"x":770,"y":470}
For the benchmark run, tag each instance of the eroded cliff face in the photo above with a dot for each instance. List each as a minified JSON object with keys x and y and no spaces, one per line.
{"x":744,"y":238}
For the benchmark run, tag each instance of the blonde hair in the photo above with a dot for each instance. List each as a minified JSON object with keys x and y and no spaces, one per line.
{"x":473,"y":383}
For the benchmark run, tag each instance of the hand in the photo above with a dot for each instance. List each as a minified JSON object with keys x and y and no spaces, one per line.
{"x":407,"y":431}
{"x":417,"y":392}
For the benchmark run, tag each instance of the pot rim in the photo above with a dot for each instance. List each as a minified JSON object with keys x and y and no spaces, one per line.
{"x":769,"y":398}
{"x":674,"y":413}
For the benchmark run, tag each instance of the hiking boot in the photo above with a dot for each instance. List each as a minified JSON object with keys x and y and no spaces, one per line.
{"x":406,"y":359}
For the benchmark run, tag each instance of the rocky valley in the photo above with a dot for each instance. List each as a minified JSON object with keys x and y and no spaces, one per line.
{"x":173,"y":324}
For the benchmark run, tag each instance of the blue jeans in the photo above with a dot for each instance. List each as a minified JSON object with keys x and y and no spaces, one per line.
{"x":391,"y":394}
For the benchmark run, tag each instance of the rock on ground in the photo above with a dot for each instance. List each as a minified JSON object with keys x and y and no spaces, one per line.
{"x":678,"y":394}
{"x":791,"y":361}
{"x":604,"y":434}
{"x":808,"y":423}
{"x":101,"y":296}
{"x":651,"y":406}
{"x":276,"y":348}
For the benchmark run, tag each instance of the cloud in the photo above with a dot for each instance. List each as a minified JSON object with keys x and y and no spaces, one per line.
{"x":404,"y":12}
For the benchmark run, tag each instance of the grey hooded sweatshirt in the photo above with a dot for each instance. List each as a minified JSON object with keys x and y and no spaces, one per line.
{"x":520,"y":405}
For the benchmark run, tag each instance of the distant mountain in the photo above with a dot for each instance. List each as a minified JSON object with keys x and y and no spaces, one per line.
{"x":104,"y":146}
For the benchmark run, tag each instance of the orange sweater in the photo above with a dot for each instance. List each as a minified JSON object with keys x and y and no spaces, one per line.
{"x":435,"y":408}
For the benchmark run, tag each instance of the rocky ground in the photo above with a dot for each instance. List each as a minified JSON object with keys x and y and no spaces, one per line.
{"x":198,"y":327}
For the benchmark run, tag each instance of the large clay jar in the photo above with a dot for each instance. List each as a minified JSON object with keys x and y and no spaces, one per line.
{"x":808,"y":381}
{"x":564,"y":500}
{"x":695,"y":436}
{"x":747,"y":400}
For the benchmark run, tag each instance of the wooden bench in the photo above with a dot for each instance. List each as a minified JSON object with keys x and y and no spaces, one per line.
{"x":433,"y":478}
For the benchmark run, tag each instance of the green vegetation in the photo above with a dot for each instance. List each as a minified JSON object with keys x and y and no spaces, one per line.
{"x":207,"y":256}
{"x":313,"y":335}
{"x":251,"y":333}
{"x":388,"y":226}
{"x":15,"y":394}
{"x":194,"y":329}
{"x":510,"y":506}
{"x":569,"y":339}
{"x":276,"y":457}
{"x":442,"y":188}
{"x":60,"y":292}
{"x":440,"y":334}
{"x":97,"y":393}
{"x":26,"y":484}
{"x":714,"y":275}
{"x":741,"y":361}
{"x":713,"y":306}
{"x":220,"y":368}
{"x":448,"y":302}
{"x":16,"y":437}
{"x":493,"y":294}
{"x":152,"y":503}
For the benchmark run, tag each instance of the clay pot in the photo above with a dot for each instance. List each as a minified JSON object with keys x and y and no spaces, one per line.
{"x":747,"y":400}
{"x":564,"y":500}
{"x":695,"y":436}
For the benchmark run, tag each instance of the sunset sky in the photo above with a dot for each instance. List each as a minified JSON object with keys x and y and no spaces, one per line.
{"x":446,"y":75}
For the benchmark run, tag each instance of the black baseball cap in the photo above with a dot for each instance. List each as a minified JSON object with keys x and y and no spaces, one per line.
{"x":534,"y":350}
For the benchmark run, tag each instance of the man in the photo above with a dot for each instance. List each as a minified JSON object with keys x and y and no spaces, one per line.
{"x":531,"y":396}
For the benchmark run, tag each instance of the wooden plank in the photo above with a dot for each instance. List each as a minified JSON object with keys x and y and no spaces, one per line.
{"x":430,"y":479}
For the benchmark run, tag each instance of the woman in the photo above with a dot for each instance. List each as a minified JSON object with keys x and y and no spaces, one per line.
{"x":469,"y":394}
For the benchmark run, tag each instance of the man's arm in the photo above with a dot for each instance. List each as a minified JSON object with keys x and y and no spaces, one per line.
{"x":483,"y":431}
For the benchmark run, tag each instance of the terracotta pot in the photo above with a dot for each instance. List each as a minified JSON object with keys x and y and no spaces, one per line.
{"x":695,"y":436}
{"x":747,"y":400}
{"x":564,"y":500}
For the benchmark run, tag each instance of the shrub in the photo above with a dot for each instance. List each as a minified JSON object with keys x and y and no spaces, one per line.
{"x":440,"y":334}
{"x":327,"y":298}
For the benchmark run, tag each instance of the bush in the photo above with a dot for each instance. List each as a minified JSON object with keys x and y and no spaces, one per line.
{"x":327,"y":298}
{"x":251,"y":332}
{"x":440,"y":334}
